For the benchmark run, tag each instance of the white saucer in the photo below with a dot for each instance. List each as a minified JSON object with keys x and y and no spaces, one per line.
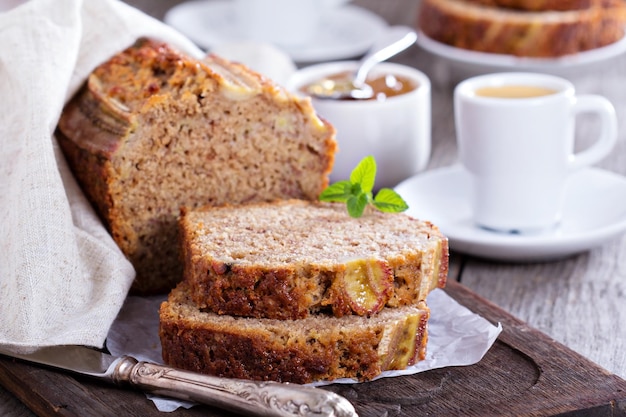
{"x":347,"y":32}
{"x":594,"y":212}
{"x":491,"y":61}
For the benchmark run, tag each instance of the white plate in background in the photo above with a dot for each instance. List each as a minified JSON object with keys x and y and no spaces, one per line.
{"x":503,"y":61}
{"x":347,"y":31}
{"x":594,"y":212}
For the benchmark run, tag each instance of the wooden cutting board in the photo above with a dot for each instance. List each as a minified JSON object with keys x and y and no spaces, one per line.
{"x":525,"y":373}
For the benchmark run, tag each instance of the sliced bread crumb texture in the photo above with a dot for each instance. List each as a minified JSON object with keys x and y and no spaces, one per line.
{"x":153,"y":130}
{"x":293,"y":258}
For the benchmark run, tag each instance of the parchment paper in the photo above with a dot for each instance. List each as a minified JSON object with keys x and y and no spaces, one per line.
{"x":456,"y":337}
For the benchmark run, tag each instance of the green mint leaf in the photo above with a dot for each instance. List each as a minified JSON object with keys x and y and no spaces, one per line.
{"x":389,"y":201}
{"x":365,"y":174}
{"x":340,"y":192}
{"x":357,"y":192}
{"x":356,"y":205}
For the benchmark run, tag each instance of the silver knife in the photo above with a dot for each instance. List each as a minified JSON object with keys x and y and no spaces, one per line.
{"x":254,"y":398}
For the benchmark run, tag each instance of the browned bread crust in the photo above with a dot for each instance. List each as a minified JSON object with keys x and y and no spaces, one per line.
{"x":153,"y":130}
{"x":465,"y":24}
{"x":298,"y":351}
{"x":544,"y":5}
{"x":291,"y":259}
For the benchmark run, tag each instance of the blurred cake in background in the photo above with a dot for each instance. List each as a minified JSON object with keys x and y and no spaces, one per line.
{"x":527,"y":28}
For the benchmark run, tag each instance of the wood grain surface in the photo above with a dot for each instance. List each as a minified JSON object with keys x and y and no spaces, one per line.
{"x":579,"y":302}
{"x":525,"y":373}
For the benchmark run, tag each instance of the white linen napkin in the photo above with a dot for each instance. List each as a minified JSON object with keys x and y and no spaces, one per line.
{"x":62,"y":278}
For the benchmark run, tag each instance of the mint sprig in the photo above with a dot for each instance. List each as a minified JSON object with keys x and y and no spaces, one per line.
{"x":357,"y":192}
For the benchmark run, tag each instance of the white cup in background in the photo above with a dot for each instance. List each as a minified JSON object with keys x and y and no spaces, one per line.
{"x":520,"y":151}
{"x":396,"y":131}
{"x":282,"y":22}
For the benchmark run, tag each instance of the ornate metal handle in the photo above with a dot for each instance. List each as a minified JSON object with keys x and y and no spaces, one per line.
{"x":250,"y":397}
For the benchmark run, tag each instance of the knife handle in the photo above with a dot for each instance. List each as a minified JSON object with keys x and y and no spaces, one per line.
{"x":244,"y":396}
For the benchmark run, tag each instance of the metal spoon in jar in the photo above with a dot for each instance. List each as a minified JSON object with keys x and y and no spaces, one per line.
{"x":395,"y":40}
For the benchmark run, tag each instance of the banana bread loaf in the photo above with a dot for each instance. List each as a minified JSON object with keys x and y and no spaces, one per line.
{"x":292,"y":258}
{"x":539,"y":34}
{"x":153,"y":130}
{"x":320,"y":347}
{"x":544,"y":5}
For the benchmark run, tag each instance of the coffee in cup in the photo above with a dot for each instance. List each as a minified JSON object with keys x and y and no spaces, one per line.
{"x":514,"y":91}
{"x":515,"y":133}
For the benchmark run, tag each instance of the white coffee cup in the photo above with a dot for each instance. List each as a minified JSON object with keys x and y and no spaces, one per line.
{"x":282,"y":22}
{"x":520,"y":151}
{"x":396,"y":131}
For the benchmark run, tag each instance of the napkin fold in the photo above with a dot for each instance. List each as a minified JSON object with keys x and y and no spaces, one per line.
{"x":62,"y":278}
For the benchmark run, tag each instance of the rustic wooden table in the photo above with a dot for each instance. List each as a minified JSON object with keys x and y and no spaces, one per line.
{"x":579,"y":301}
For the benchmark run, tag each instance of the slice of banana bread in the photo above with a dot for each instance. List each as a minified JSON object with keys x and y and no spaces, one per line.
{"x":292,"y":258}
{"x":316,"y":348}
{"x":538,"y":34}
{"x":543,"y":5}
{"x":153,"y":130}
